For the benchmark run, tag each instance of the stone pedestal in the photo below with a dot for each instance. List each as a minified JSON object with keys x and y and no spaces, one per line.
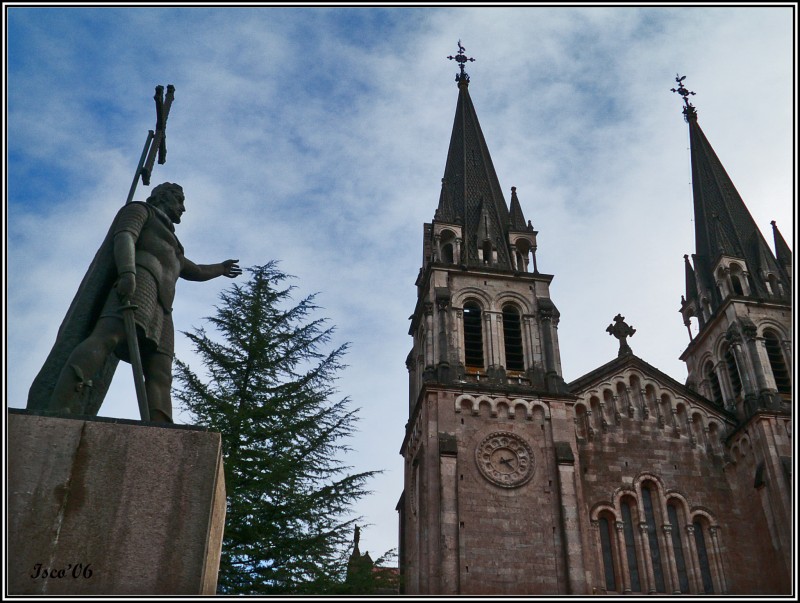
{"x":112,"y":507}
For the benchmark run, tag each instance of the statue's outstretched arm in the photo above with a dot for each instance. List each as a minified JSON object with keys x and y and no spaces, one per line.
{"x":204,"y":272}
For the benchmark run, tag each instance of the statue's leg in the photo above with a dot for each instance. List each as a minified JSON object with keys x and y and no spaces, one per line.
{"x":157,"y":368}
{"x":85,"y":360}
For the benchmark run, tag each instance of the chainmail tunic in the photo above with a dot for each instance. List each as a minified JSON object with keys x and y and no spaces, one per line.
{"x":157,"y":250}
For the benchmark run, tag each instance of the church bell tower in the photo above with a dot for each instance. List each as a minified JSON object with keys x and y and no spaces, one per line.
{"x":485,"y":471}
{"x":737,"y":304}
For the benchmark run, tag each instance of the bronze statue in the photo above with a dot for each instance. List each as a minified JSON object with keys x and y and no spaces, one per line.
{"x":134,"y":272}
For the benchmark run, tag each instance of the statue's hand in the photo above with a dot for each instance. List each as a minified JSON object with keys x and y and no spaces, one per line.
{"x":231,"y":269}
{"x":126,"y":285}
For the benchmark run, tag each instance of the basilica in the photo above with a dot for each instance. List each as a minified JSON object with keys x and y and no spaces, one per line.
{"x":623,"y":481}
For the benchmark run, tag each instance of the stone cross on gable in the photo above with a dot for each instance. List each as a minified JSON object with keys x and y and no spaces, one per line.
{"x":621,"y":331}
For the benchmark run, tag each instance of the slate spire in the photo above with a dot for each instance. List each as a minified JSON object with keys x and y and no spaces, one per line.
{"x":517,"y":218}
{"x":470,"y":188}
{"x":723,"y":225}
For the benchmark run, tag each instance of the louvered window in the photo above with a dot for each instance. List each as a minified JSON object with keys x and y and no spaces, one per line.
{"x":733,"y":372}
{"x":777,"y":364}
{"x":473,"y":336}
{"x":716,"y":391}
{"x":512,"y":335}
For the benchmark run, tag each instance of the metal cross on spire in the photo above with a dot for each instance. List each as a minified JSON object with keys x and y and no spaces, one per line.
{"x":688,"y":109}
{"x":461,"y":58}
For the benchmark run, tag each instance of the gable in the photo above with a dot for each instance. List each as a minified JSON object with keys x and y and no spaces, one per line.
{"x":628,"y":398}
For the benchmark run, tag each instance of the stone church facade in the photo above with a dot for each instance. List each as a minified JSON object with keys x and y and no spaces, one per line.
{"x":624,"y":480}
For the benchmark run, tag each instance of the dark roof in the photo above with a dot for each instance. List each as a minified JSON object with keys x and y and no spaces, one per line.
{"x":723,"y":225}
{"x":517,"y":219}
{"x":471,"y":193}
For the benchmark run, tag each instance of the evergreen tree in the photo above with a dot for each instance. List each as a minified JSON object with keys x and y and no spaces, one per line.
{"x":270,"y":393}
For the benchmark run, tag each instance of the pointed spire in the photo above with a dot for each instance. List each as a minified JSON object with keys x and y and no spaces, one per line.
{"x":516,"y":218}
{"x":472,"y":187}
{"x":691,"y":281}
{"x":782,"y":251}
{"x":723,"y":224}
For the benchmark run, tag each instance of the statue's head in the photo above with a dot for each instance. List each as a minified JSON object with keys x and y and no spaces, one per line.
{"x":168,"y":197}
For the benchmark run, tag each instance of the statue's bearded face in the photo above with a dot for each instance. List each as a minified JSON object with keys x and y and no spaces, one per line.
{"x":172,"y":204}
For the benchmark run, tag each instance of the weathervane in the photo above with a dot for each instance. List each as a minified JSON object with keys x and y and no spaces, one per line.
{"x":688,"y":109}
{"x":461,"y":58}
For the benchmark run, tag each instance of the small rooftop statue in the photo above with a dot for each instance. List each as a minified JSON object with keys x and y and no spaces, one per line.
{"x":621,"y":331}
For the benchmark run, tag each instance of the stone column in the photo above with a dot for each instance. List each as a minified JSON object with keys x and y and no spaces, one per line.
{"x":672,"y":565}
{"x":745,"y":372}
{"x":623,"y":557}
{"x":615,"y":404}
{"x":695,"y":579}
{"x":647,"y":560}
{"x":412,"y":382}
{"x":448,"y":522}
{"x":690,"y":429}
{"x":458,"y":336}
{"x":528,"y":341}
{"x":598,"y":570}
{"x":568,"y":505}
{"x":720,"y":583}
{"x":442,"y":305}
{"x":429,"y":358}
{"x":757,"y":354}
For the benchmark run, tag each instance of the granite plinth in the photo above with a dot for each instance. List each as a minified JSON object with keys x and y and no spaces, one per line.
{"x":112,"y":507}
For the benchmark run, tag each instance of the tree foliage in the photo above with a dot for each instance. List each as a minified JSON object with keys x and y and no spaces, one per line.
{"x":270,"y":392}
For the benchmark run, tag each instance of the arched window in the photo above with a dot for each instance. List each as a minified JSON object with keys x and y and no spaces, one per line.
{"x":648,"y":492}
{"x":716,"y":390}
{"x":777,"y":364}
{"x":677,"y":547}
{"x":523,"y":250}
{"x":736,"y":285}
{"x":512,"y":336}
{"x":628,"y":507}
{"x":772,"y":283}
{"x":733,"y":372}
{"x":473,"y":335}
{"x":606,"y":540}
{"x":447,"y":253}
{"x":446,"y":246}
{"x":487,"y":252}
{"x":702,"y":557}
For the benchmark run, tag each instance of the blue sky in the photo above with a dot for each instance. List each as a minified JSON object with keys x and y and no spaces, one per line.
{"x":318,"y":137}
